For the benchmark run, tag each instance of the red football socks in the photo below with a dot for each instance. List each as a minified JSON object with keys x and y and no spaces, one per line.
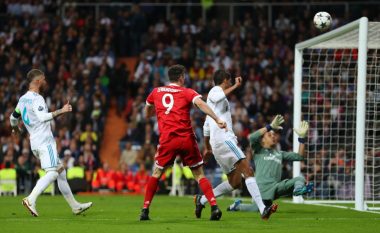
{"x":150,"y":191}
{"x":206,"y":188}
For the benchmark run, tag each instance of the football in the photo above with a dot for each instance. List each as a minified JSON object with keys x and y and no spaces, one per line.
{"x":322,"y":20}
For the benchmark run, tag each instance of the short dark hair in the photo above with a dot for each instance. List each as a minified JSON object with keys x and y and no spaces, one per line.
{"x":175,"y":72}
{"x":33,"y":73}
{"x":220,"y":76}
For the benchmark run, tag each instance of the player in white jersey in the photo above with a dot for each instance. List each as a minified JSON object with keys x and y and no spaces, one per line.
{"x":33,"y":111}
{"x":223,"y":145}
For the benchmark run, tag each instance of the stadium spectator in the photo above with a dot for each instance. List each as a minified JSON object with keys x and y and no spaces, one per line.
{"x":128,"y":157}
{"x":88,"y":133}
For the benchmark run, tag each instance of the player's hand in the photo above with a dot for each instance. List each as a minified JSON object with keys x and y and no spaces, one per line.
{"x":303,"y":129}
{"x":207,"y":155}
{"x":221,"y":124}
{"x":67,"y":107}
{"x":238,"y":81}
{"x":277,"y":121}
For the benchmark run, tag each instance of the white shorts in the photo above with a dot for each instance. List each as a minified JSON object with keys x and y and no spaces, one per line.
{"x":48,"y":156}
{"x":227,"y":154}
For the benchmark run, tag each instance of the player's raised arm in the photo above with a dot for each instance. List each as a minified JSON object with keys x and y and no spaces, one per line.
{"x":276,"y":124}
{"x":238,"y":81}
{"x":223,"y":80}
{"x":66,"y":108}
{"x":207,"y":110}
{"x":255,"y":137}
{"x":43,"y":116}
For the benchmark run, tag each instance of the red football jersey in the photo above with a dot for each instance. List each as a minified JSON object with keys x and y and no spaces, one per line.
{"x":173,"y":104}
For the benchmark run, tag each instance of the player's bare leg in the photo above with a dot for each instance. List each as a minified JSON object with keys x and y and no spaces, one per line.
{"x":206,"y":188}
{"x":150,"y":191}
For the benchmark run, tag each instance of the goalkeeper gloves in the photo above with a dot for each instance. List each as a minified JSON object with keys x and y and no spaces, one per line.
{"x":277,"y":121}
{"x":302,"y":131}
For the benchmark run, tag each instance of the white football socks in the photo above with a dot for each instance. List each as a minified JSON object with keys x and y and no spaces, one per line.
{"x":219,"y":190}
{"x":64,"y":187}
{"x":41,"y":185}
{"x":253,"y":189}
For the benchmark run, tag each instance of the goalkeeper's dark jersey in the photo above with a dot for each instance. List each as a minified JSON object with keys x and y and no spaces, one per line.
{"x":268,"y":162}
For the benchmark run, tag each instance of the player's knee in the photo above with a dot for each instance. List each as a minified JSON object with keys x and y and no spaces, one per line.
{"x":157,"y":172}
{"x":198,"y":176}
{"x":235,"y":182}
{"x":236,"y":185}
{"x":248,"y":172}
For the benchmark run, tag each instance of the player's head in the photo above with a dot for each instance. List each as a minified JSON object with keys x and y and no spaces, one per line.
{"x":177,"y":74}
{"x":270,"y":139}
{"x":222,"y":77}
{"x":36,"y":80}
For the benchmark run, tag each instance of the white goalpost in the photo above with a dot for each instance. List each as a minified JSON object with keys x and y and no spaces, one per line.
{"x":337,"y":89}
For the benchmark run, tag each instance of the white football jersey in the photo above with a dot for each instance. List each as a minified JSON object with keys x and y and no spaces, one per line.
{"x":218,"y":102}
{"x":29,"y":106}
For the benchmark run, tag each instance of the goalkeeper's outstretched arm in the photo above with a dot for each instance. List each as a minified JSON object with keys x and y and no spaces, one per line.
{"x":276,"y":124}
{"x":302,"y":134}
{"x":255,"y":138}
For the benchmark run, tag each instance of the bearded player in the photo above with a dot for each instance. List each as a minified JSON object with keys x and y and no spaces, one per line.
{"x":32,"y":109}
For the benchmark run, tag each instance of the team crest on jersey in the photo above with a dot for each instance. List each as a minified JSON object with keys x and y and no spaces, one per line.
{"x":40,"y":108}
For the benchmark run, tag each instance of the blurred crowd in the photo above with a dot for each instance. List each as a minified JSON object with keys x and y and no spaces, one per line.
{"x":75,"y":55}
{"x":79,"y":53}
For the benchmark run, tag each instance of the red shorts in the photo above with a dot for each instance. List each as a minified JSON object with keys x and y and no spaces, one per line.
{"x":184,"y":146}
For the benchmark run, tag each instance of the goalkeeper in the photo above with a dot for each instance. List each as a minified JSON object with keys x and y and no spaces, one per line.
{"x":268,"y":163}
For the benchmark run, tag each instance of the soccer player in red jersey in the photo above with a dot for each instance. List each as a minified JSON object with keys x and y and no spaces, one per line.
{"x":172,"y":104}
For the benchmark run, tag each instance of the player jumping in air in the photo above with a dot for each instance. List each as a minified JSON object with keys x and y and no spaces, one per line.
{"x":34,"y":113}
{"x":172,"y":104}
{"x":223,"y":145}
{"x":268,"y":163}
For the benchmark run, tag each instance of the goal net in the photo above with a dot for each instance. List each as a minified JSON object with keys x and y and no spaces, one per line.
{"x":337,"y":89}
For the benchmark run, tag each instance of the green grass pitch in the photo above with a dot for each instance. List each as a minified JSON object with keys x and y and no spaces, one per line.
{"x":175,"y":214}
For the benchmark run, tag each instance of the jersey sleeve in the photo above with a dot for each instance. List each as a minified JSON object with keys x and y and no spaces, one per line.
{"x":39,"y":108}
{"x":15,"y":116}
{"x":18,"y":109}
{"x":254,"y":140}
{"x":191,"y":95}
{"x":17,"y":112}
{"x":206,"y":128}
{"x":292,"y":156}
{"x":216,"y":95}
{"x":150,"y":99}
